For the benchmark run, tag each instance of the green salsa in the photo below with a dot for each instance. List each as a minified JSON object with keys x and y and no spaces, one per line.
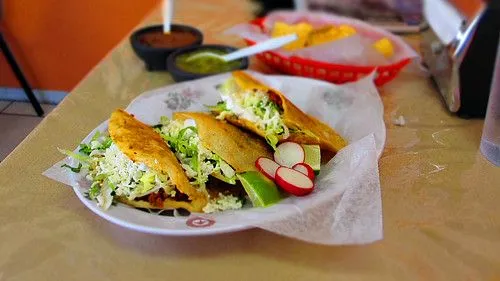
{"x":205,"y":64}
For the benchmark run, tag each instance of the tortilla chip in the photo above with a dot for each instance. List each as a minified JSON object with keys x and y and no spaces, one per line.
{"x":384,"y":47}
{"x":347,"y":30}
{"x":302,"y":30}
{"x":323,"y":35}
{"x":238,"y":148}
{"x":329,"y":33}
{"x":142,"y":144}
{"x":305,"y":129}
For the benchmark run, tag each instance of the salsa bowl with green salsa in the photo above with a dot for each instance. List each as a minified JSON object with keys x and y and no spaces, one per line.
{"x":182,"y":68}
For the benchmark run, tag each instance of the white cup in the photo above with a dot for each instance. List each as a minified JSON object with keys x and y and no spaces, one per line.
{"x":490,"y":140}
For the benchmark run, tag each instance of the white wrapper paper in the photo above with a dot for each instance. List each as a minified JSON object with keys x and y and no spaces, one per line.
{"x":345,"y":207}
{"x":355,"y":50}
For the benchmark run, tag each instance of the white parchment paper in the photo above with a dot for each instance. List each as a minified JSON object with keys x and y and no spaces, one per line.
{"x":345,"y":207}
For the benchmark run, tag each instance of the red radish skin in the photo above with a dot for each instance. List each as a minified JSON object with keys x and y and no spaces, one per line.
{"x":289,"y":153}
{"x":305,"y":169}
{"x":267,"y":167}
{"x":294,"y":182}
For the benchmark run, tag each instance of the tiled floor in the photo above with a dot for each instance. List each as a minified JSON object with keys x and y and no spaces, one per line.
{"x":17,"y":120}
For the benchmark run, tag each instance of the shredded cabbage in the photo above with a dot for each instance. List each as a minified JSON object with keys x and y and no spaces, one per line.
{"x":197,"y":161}
{"x":253,"y":105}
{"x":112,"y":173}
{"x":223,"y":203}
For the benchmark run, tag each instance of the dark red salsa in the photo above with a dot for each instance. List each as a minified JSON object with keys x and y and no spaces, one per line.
{"x":174,"y":39}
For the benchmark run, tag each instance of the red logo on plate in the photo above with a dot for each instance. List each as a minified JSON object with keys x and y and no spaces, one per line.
{"x":200,"y":222}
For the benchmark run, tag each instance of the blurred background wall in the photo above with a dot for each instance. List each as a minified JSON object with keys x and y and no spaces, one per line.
{"x":57,"y":42}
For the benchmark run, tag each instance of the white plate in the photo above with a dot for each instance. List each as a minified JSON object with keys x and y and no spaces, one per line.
{"x":336,"y":105}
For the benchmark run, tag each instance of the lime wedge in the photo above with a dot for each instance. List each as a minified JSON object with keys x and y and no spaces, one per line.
{"x":261,"y":190}
{"x":312,"y":156}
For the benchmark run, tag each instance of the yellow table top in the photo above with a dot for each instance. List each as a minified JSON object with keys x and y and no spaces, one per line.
{"x":441,"y":198}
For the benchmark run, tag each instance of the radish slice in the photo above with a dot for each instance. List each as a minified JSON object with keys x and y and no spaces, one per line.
{"x":304,"y":169}
{"x":289,"y":153}
{"x":293,"y":181}
{"x":267,"y":166}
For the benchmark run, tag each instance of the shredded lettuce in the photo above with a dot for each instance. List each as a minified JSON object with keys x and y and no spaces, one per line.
{"x":197,"y":161}
{"x":272,"y":140}
{"x":227,"y":170}
{"x":95,"y":144}
{"x":146,"y":182}
{"x":73,"y":169}
{"x":95,"y":190}
{"x":219,"y":107}
{"x":253,"y":105}
{"x":85,"y":149}
{"x":82,"y":158}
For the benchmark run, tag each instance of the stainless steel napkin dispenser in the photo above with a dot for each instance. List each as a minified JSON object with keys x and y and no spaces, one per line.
{"x":460,"y":54}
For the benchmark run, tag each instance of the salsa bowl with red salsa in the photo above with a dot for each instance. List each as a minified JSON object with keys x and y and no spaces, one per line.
{"x":153,"y":46}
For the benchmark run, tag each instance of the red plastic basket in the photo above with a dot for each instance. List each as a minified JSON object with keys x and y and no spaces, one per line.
{"x":335,"y":73}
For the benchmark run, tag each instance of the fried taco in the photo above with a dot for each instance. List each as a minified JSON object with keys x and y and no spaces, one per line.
{"x":192,"y":161}
{"x":212,"y":150}
{"x":132,"y":164}
{"x":250,"y":104}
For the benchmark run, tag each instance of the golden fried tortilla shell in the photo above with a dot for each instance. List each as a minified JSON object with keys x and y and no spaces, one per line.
{"x":142,"y":144}
{"x":238,"y":148}
{"x":305,"y":129}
